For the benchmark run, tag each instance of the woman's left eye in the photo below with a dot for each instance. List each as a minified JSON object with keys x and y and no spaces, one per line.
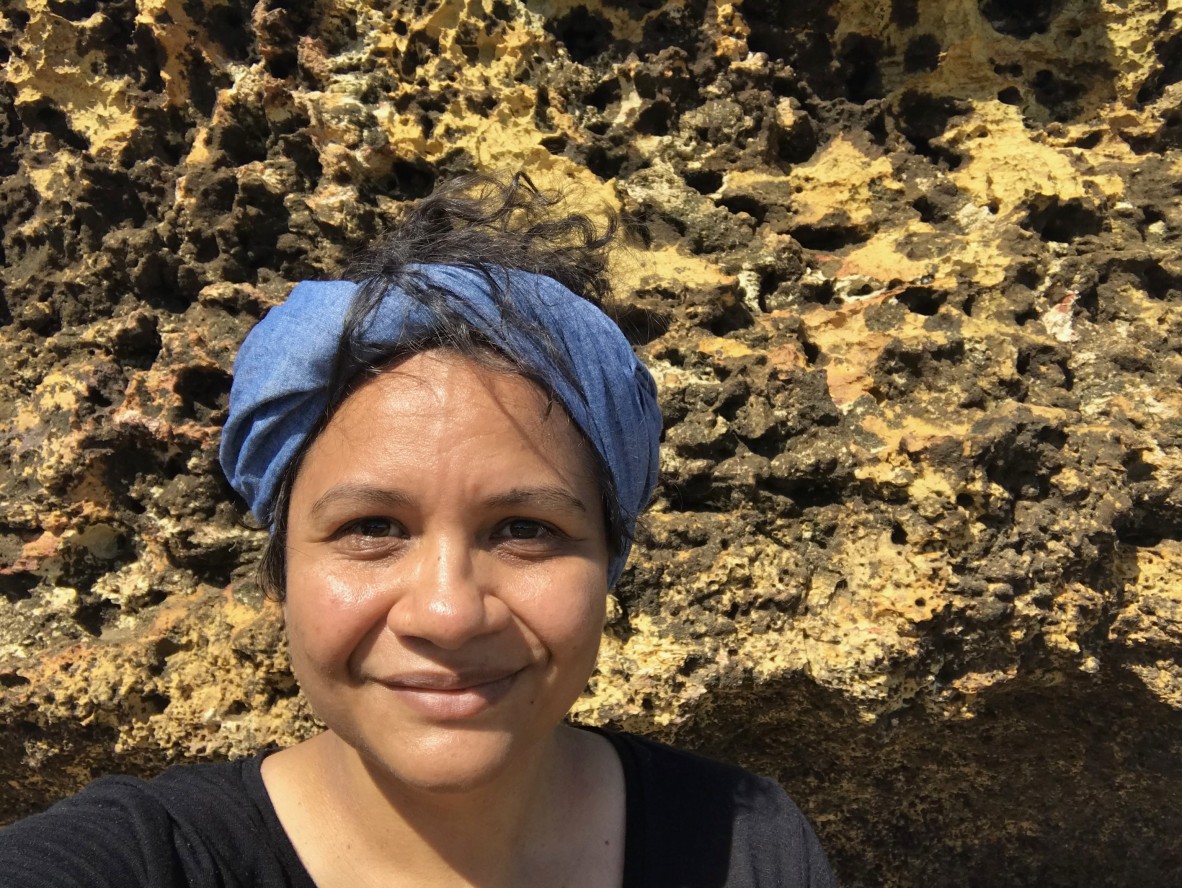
{"x":524,"y":529}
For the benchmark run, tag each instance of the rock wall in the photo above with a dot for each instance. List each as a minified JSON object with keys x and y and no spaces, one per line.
{"x":907,"y":277}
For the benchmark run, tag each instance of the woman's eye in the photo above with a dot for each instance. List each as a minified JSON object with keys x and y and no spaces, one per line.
{"x":521,"y":529}
{"x":371,"y":527}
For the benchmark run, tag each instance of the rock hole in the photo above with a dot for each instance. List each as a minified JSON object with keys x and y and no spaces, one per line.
{"x":1136,"y":469}
{"x":74,"y":10}
{"x":299,"y":149}
{"x":922,"y":300}
{"x":922,"y":118}
{"x":94,"y":616}
{"x":735,"y":317}
{"x":641,"y":326}
{"x":741,"y":203}
{"x":44,"y":116}
{"x":155,"y":703}
{"x":207,"y":386}
{"x":898,"y":535}
{"x":905,"y":13}
{"x":556,"y":144}
{"x":1088,"y":142}
{"x":812,"y":351}
{"x":542,"y":105}
{"x":1020,"y":18}
{"x":243,"y":138}
{"x":1169,"y":56}
{"x":18,"y":586}
{"x":809,"y":493}
{"x":1068,"y":376}
{"x":605,"y":95}
{"x":929,"y":211}
{"x":819,"y":292}
{"x":800,"y":34}
{"x":12,"y":680}
{"x":419,"y":48}
{"x":1157,"y":282}
{"x":793,"y":142}
{"x":1063,"y":221}
{"x":876,"y":129}
{"x":1058,"y":95}
{"x":922,"y":54}
{"x":412,"y":180}
{"x":230,"y":24}
{"x":703,"y":181}
{"x":585,"y":34}
{"x":829,"y":238}
{"x":1136,"y":534}
{"x":150,"y":56}
{"x":283,"y":65}
{"x":207,"y":249}
{"x":1027,"y":275}
{"x":859,"y":58}
{"x":166,"y":647}
{"x":655,"y":119}
{"x":603,"y":163}
{"x":1011,"y":95}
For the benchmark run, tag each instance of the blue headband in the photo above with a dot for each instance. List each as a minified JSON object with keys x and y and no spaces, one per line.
{"x":284,"y":369}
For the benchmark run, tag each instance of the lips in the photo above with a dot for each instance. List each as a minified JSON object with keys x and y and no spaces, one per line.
{"x":449,"y":696}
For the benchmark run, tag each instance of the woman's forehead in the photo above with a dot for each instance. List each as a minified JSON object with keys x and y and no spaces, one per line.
{"x":436,"y":407}
{"x":443,"y":383}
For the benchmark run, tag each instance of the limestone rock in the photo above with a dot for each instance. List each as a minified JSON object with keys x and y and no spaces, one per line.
{"x":908,"y":282}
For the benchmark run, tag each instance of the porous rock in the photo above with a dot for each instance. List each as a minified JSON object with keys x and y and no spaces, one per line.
{"x":907,"y":278}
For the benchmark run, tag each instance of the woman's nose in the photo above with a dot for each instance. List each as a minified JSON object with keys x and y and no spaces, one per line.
{"x":441,"y":598}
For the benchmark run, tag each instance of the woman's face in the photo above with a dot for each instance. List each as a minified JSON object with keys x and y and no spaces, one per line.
{"x":447,"y":571}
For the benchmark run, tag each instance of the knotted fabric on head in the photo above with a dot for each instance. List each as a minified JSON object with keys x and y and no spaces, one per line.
{"x":284,"y":370}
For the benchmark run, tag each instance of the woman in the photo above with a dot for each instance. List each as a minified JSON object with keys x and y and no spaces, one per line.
{"x":451,"y":456}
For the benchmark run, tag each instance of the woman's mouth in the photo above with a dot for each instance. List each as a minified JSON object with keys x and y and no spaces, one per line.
{"x":448,"y":696}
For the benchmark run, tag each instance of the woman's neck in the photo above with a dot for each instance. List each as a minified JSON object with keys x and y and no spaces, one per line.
{"x":546,"y":818}
{"x":475,"y":832}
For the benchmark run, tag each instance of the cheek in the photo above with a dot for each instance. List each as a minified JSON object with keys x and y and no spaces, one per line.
{"x":329,"y":620}
{"x":568,"y":618}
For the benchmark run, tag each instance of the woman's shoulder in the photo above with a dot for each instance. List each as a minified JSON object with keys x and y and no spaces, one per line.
{"x":193,"y":824}
{"x":696,"y":820}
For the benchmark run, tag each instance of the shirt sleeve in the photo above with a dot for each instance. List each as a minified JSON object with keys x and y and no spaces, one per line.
{"x":695,"y":822}
{"x":110,"y":834}
{"x":774,"y":843}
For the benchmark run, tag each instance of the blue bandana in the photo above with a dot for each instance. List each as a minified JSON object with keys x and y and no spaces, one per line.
{"x":284,"y":369}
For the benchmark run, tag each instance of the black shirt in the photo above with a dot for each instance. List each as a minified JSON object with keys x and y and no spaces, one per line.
{"x":691,"y":823}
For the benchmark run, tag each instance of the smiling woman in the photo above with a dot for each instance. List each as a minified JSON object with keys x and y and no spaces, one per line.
{"x":453,"y":578}
{"x":451,"y":448}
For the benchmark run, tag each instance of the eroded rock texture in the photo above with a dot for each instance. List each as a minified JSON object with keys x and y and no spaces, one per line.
{"x":909,"y":284}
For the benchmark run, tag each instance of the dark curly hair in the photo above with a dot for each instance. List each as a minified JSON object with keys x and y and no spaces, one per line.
{"x":481,"y":222}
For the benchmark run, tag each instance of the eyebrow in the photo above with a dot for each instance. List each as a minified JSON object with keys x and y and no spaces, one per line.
{"x":360,"y":495}
{"x":544,"y":496}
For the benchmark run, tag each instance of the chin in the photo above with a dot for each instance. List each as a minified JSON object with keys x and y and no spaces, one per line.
{"x":447,"y":761}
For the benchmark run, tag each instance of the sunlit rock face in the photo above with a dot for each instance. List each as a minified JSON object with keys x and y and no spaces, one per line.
{"x":907,"y":276}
